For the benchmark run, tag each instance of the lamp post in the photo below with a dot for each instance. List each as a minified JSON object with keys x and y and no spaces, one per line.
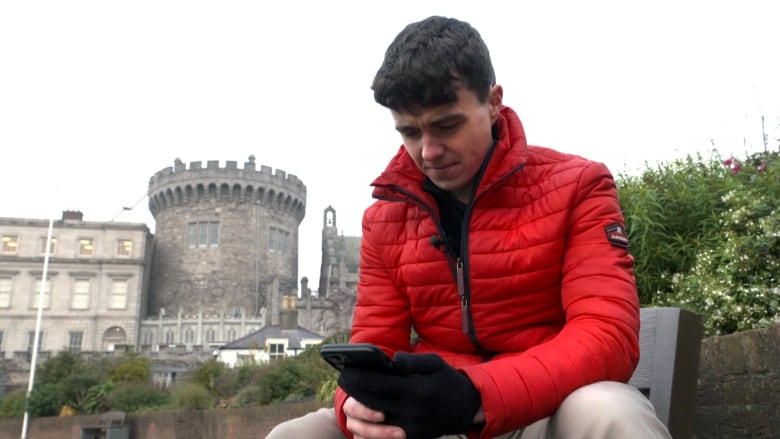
{"x":37,"y":337}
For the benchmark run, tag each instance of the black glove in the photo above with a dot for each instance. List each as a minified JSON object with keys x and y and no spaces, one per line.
{"x":425,"y":396}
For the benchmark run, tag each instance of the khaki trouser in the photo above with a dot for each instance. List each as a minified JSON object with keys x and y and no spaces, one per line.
{"x":601,"y":410}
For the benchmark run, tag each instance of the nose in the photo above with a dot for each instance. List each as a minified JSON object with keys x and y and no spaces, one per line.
{"x":432,"y":148}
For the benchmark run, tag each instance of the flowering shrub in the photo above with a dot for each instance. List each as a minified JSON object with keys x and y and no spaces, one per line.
{"x":706,"y":237}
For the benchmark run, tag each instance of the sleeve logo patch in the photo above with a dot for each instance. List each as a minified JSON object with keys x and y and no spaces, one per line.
{"x":616,"y":235}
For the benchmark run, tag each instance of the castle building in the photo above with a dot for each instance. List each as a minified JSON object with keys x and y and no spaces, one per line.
{"x":329,"y":309}
{"x":222,"y":263}
{"x":223,"y":236}
{"x":226,"y":250}
{"x":94,"y":291}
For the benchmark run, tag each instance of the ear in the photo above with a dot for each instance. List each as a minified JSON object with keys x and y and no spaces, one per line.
{"x":495,"y":100}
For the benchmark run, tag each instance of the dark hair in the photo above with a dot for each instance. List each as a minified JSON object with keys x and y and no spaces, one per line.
{"x":428,"y":61}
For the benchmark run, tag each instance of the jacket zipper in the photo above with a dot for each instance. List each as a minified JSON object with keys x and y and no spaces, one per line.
{"x":464,"y":291}
{"x":464,"y":299}
{"x":464,"y":285}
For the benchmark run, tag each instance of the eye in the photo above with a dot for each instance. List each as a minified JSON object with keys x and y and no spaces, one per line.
{"x":448,"y":126}
{"x":410,"y":133}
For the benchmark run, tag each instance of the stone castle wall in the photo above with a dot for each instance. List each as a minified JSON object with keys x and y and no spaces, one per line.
{"x":248,"y":205}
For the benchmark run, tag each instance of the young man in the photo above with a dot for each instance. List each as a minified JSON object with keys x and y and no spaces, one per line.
{"x":508,"y":261}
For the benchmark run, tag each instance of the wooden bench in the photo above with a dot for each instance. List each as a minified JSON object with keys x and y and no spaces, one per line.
{"x":668,"y":369}
{"x":110,"y":425}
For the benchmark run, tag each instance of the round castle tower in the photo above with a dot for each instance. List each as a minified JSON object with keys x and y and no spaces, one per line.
{"x":226,"y":239}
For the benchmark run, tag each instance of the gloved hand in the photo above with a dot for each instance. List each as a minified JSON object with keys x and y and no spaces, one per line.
{"x":425,"y":396}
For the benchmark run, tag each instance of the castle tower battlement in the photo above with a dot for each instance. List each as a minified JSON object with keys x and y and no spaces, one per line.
{"x":178,"y":185}
{"x":226,"y":238}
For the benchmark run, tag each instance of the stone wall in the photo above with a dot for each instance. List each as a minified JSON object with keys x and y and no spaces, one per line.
{"x":250,"y":422}
{"x":739,"y":385}
{"x":223,"y":236}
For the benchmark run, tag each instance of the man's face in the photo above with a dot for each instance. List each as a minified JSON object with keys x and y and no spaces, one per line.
{"x":449,"y":142}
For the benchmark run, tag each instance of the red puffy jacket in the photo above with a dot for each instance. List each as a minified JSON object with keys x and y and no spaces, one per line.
{"x":549,"y":303}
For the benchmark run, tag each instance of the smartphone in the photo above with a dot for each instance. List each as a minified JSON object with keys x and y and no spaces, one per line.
{"x":358,"y":355}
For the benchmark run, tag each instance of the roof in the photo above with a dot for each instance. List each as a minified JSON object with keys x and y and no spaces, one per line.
{"x":259,"y":337}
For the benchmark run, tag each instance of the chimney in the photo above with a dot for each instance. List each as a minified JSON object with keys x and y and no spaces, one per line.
{"x":74,"y":215}
{"x":288,"y":315}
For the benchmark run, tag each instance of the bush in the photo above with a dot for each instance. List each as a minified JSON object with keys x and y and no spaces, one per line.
{"x":191,"y":396}
{"x":58,"y":367}
{"x":327,"y":390}
{"x":97,"y":398}
{"x":706,"y":237}
{"x":130,"y":367}
{"x":286,"y":378}
{"x":671,"y":212}
{"x":250,"y":396}
{"x":12,"y":406}
{"x":75,"y":391}
{"x":134,"y":396}
{"x":216,"y":377}
{"x":250,"y":374}
{"x":46,"y":399}
{"x":734,"y":283}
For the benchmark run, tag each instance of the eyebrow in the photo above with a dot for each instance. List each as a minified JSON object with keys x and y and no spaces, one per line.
{"x":447,"y":118}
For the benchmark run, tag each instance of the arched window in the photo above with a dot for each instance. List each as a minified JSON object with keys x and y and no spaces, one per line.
{"x":189,"y":336}
{"x":113,"y":336}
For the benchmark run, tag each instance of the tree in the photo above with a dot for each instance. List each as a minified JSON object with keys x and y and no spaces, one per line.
{"x":58,"y":367}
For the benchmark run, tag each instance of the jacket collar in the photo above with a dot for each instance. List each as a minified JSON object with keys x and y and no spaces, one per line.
{"x":509,"y":152}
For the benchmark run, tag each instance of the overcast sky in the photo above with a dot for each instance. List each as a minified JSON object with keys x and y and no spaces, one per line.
{"x":97,"y":96}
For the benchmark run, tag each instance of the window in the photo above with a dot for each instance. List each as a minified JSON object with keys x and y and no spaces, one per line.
{"x":210,"y":336}
{"x":6,"y":286}
{"x":203,"y":234}
{"x":75,"y":339}
{"x":86,"y":247}
{"x":231,"y":334}
{"x":124,"y":247}
{"x":169,"y":338}
{"x":31,"y":341}
{"x":10,"y":244}
{"x":275,"y":351}
{"x":189,"y":336}
{"x":52,"y":245}
{"x":118,"y":299}
{"x":279,"y":240}
{"x":147,"y":338}
{"x":37,"y":292}
{"x":80,"y":298}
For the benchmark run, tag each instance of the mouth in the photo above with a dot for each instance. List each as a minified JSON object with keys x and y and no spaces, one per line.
{"x":441,"y":173}
{"x":439,"y":168}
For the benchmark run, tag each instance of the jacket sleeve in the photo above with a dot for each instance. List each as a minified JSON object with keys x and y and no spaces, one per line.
{"x":381,"y":314}
{"x":599,"y":339}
